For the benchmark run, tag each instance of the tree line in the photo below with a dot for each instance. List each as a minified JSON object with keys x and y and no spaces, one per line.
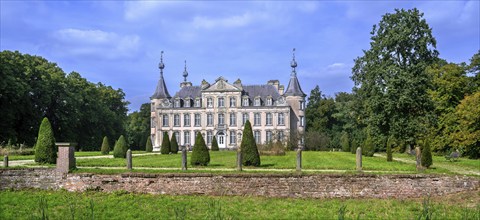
{"x":404,"y":96}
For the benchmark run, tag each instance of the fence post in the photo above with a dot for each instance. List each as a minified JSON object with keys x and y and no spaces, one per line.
{"x":5,"y":161}
{"x":359,"y":159}
{"x":129,"y":159}
{"x":239,"y":159}
{"x":184,"y":158}
{"x":299,"y":159}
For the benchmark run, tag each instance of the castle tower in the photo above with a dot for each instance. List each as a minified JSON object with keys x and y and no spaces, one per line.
{"x":295,"y":98}
{"x":160,"y":97}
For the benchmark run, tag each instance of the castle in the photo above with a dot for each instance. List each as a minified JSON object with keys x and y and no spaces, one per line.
{"x":221,"y":109}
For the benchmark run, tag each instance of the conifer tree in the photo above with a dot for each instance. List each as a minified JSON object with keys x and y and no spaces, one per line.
{"x":215,"y":144}
{"x":426,"y":154}
{"x":174,"y":145}
{"x":120,"y":149}
{"x":105,"y":146}
{"x":148,"y":145}
{"x":390,"y":144}
{"x":368,"y":148}
{"x":165,"y":149}
{"x":200,"y":154}
{"x":345,"y":142}
{"x":45,"y":149}
{"x":250,"y":155}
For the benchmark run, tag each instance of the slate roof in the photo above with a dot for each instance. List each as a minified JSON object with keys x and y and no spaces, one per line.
{"x":189,"y":91}
{"x":161,"y":91}
{"x":260,"y":90}
{"x":294,"y":88}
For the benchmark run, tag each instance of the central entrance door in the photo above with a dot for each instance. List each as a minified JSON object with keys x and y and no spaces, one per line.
{"x":221,"y":140}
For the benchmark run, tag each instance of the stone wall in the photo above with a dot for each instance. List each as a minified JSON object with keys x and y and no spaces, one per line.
{"x":268,"y":185}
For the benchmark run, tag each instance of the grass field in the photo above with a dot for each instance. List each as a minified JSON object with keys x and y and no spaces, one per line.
{"x":77,"y":154}
{"x":27,"y":204}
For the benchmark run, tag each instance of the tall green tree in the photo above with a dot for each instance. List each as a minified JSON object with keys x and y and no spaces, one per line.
{"x":200,"y":154}
{"x":45,"y":149}
{"x":174,"y":145}
{"x":165,"y":148}
{"x":215,"y":144}
{"x":250,"y":155}
{"x":138,"y":126}
{"x":391,"y":80}
{"x":466,"y":135}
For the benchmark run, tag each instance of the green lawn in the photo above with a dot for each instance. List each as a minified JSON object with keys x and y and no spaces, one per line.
{"x":26,"y":204}
{"x":77,"y":154}
{"x":440,"y":160}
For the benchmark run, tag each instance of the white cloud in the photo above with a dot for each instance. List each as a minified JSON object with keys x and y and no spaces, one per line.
{"x":228,"y":22}
{"x":135,"y":10}
{"x":96,"y":43}
{"x":336,"y":66}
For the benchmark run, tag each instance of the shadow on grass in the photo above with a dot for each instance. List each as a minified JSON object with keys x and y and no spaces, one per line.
{"x":267,"y":165}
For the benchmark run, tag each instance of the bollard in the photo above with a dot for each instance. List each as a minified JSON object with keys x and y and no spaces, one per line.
{"x":418,"y":158}
{"x":5,"y":161}
{"x":184,"y":158}
{"x":129,"y":159}
{"x":359,"y":159}
{"x":299,"y":159}
{"x":239,"y":160}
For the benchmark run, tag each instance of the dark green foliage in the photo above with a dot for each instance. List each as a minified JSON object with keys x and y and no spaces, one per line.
{"x":345,"y":142}
{"x":174,"y":145}
{"x":105,"y":146}
{"x":165,"y":148}
{"x":250,"y":155}
{"x":200,"y":154}
{"x":138,"y":127}
{"x":390,"y":144}
{"x":368,"y":148}
{"x":148,"y":145}
{"x":45,"y":149}
{"x":426,"y":154}
{"x":120,"y":149}
{"x":215,"y":144}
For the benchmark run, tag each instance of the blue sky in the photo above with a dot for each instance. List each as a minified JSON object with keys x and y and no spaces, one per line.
{"x":119,"y":43}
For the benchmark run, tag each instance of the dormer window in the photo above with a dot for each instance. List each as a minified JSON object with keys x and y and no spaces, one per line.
{"x":210,"y":102}
{"x":269,"y":101}
{"x":245,"y":101}
{"x":177,"y":103}
{"x":198,"y":102}
{"x":257,"y":101}
{"x":187,"y":103}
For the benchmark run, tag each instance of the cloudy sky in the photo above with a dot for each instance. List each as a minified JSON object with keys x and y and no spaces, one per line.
{"x":119,"y":43}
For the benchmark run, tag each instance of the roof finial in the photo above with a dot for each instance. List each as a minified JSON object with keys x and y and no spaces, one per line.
{"x":293,"y":64}
{"x":185,"y":73}
{"x":161,"y":66}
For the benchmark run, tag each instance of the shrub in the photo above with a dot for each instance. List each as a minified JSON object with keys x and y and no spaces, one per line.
{"x":174,"y":145}
{"x":345,"y":142}
{"x":426,"y":154}
{"x":250,"y":155}
{"x":45,"y":149}
{"x":120,"y":149}
{"x":390,"y":144}
{"x":200,"y":154}
{"x":105,"y":147}
{"x":272,"y":149}
{"x":165,"y":149}
{"x":368,"y":147}
{"x":215,"y":144}
{"x":148,"y":145}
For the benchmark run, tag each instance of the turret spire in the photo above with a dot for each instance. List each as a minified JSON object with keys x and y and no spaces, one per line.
{"x":161,"y":92}
{"x":161,"y":66}
{"x":294,"y":88}
{"x":293,"y":64}
{"x":185,"y":73}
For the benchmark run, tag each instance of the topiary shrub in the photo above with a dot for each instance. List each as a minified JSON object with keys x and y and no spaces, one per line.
{"x":45,"y":149}
{"x":165,"y":148}
{"x":105,"y":146}
{"x":120,"y":149}
{"x":390,"y":144}
{"x":148,"y":145}
{"x":426,"y":154}
{"x":200,"y":154}
{"x":215,"y":144}
{"x":250,"y":155}
{"x":174,"y":145}
{"x":345,"y":142}
{"x":368,"y":147}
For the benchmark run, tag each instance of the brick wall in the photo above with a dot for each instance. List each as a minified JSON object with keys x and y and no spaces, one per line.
{"x":271,"y":185}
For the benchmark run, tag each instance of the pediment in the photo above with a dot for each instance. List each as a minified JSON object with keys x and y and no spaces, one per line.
{"x":221,"y":85}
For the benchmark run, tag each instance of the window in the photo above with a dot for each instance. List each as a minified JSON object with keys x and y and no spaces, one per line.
{"x":209,"y":102}
{"x":186,"y":136}
{"x":221,"y":119}
{"x":256,"y":134}
{"x":198,"y":120}
{"x":153,"y":124}
{"x":232,"y":102}
{"x":280,"y":136}
{"x":269,"y":136}
{"x":221,"y":102}
{"x":281,"y":119}
{"x":302,"y":105}
{"x":198,"y":102}
{"x":257,"y":101}
{"x":177,"y":136}
{"x":244,"y":118}
{"x":233,"y":119}
{"x":152,"y":107}
{"x":186,"y":120}
{"x":165,"y":121}
{"x":269,"y":118}
{"x":176,"y":120}
{"x":257,"y":119}
{"x":209,"y":120}
{"x":245,"y":102}
{"x":302,"y":121}
{"x":269,"y":101}
{"x":209,"y":137}
{"x":187,"y":103}
{"x":233,"y":137}
{"x":177,"y":103}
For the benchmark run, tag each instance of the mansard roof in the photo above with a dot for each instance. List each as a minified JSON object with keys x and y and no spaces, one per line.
{"x":161,"y":91}
{"x":262,"y":91}
{"x":189,"y":91}
{"x":294,"y":88}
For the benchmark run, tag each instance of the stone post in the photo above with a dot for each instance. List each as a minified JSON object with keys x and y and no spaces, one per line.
{"x":129,"y":159}
{"x":66,"y":157}
{"x":359,"y":159}
{"x":418,"y":158}
{"x":184,"y":158}
{"x":239,"y":159}
{"x":5,"y":161}
{"x":299,"y":159}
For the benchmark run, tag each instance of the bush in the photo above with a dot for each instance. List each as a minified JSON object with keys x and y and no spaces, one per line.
{"x":148,"y":145}
{"x":215,"y":144}
{"x":368,"y":148}
{"x":345,"y":142}
{"x":45,"y":149}
{"x":426,"y":154}
{"x":165,"y":148}
{"x":272,"y":149}
{"x":200,"y":154}
{"x":250,"y":155}
{"x":105,"y":147}
{"x":390,"y":144}
{"x":120,"y":149}
{"x":174,"y":145}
